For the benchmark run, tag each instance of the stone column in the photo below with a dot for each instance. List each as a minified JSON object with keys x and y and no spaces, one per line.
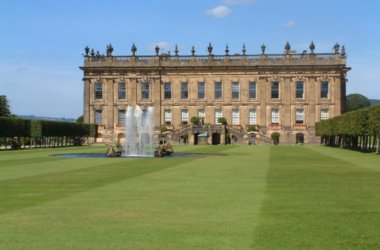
{"x":132,"y":92}
{"x":157,"y":89}
{"x":287,"y":116}
{"x":109,"y":104}
{"x":311,"y":114}
{"x":86,"y":101}
{"x":262,"y":87}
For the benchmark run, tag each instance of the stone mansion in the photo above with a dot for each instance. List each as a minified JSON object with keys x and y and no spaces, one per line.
{"x":286,"y":93}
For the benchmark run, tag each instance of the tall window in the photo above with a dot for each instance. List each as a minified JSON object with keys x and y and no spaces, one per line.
{"x":252,"y":117}
{"x":167,"y":90}
{"x":235,"y":90}
{"x":252,"y":90}
{"x":218,"y":114}
{"x":121,"y":117}
{"x":235,"y":117}
{"x":299,"y":90}
{"x":184,"y":116}
{"x":324,"y":114}
{"x":184,"y":90}
{"x":201,"y":90}
{"x":98,"y":117}
{"x":275,"y":116}
{"x":98,"y":90}
{"x":325,"y":89}
{"x":145,"y":90}
{"x":121,"y":91}
{"x":275,"y":90}
{"x":168,"y":116}
{"x":299,"y":116}
{"x":201,"y":115}
{"x":218,"y":90}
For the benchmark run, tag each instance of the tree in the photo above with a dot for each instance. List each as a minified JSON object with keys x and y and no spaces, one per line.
{"x":79,"y":119}
{"x":222,"y":120}
{"x":251,"y":128}
{"x":4,"y":106}
{"x":195,"y":120}
{"x":356,"y":101}
{"x":275,"y":137}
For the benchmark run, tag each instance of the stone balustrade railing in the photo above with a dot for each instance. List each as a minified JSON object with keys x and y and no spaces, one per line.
{"x":165,"y":60}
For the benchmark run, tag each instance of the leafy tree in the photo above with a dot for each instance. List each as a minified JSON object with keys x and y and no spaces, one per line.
{"x":222,"y":120}
{"x":195,"y":120}
{"x":356,"y":101}
{"x":163,"y":129}
{"x":275,"y":137}
{"x":4,"y":106}
{"x":251,"y":128}
{"x":80,"y":119}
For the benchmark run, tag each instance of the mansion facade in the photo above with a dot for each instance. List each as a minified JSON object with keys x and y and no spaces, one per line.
{"x":286,"y":93}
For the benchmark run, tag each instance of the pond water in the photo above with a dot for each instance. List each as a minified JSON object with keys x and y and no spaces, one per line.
{"x":103,"y":155}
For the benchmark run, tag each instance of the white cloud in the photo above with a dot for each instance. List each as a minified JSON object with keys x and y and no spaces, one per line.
{"x":290,"y":24}
{"x":238,"y":2}
{"x":219,"y":11}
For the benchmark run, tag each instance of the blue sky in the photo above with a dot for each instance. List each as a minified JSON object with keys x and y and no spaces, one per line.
{"x":41,"y":41}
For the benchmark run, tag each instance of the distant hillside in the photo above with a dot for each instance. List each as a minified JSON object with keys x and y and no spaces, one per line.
{"x":32,"y":117}
{"x":374,"y":101}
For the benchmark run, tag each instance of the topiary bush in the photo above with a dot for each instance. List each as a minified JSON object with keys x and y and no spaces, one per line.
{"x":251,"y":128}
{"x":275,"y":137}
{"x":195,"y":120}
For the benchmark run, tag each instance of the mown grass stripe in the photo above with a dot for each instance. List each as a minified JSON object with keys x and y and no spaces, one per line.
{"x":33,"y":190}
{"x":318,"y":202}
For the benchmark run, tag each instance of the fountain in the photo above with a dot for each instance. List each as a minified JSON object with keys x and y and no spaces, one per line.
{"x":139,"y":131}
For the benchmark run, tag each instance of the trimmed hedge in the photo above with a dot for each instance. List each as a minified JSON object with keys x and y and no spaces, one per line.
{"x":12,"y":127}
{"x":21,"y":128}
{"x":358,"y":129}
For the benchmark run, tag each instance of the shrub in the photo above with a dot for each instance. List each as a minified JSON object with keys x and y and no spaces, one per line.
{"x":275,"y":137}
{"x":222,"y":120}
{"x":163,"y":129}
{"x":251,"y":128}
{"x":195,"y":120}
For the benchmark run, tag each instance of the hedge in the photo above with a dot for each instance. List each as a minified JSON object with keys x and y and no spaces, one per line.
{"x":40,"y":130}
{"x":358,"y":129}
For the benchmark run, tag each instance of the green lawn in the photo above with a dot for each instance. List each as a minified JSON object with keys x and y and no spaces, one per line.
{"x":253,"y":197}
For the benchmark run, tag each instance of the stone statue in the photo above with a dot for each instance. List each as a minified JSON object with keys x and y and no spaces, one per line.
{"x":263,"y":49}
{"x":312,"y":47}
{"x":343,"y":52}
{"x":163,"y":150}
{"x":287,"y":47}
{"x":133,"y":49}
{"x":87,"y":50}
{"x":176,"y":50}
{"x":157,"y":49}
{"x":244,"y":50}
{"x":209,"y":48}
{"x":336,"y":48}
{"x":109,"y":50}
